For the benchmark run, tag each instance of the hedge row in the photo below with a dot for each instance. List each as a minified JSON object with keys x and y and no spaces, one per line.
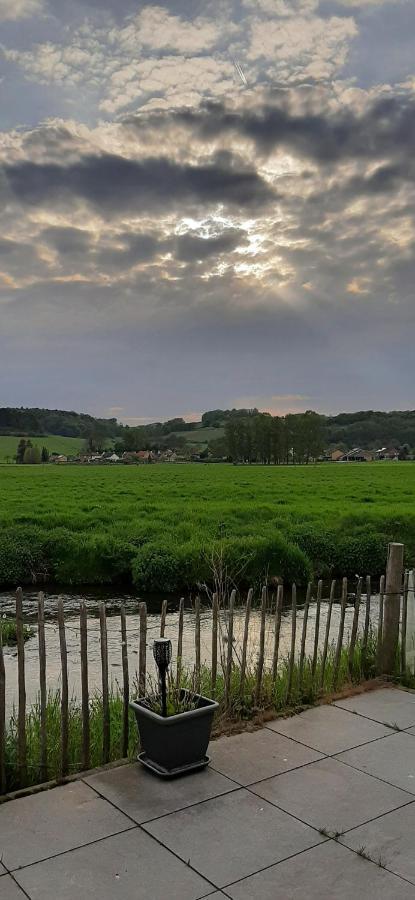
{"x":30,"y":555}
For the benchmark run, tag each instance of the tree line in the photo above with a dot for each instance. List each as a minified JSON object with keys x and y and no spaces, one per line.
{"x":260,"y":437}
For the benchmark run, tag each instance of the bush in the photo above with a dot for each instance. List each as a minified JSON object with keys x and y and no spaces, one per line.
{"x":22,"y":557}
{"x":364,"y":554}
{"x":89,"y":559}
{"x":172,"y":567}
{"x":156,"y":567}
{"x":320,"y":547}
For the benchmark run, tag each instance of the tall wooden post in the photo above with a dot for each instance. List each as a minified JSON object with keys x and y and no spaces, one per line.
{"x":391,"y":607}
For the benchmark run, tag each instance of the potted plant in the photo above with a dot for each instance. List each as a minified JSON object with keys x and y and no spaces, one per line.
{"x":174,"y":725}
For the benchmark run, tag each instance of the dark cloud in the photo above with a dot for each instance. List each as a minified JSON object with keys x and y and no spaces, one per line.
{"x":388,"y":126}
{"x":113,"y":183}
{"x":67,"y":241}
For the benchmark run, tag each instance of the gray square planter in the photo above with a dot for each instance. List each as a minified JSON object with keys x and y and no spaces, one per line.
{"x":176,"y":744}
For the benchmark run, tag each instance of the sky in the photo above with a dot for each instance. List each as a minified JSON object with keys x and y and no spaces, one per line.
{"x":207,"y":205}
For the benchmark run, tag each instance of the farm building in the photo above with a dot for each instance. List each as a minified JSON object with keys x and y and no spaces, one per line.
{"x":387,"y":453}
{"x":357,"y":455}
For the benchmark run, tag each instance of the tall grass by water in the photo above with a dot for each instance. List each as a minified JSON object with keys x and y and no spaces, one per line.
{"x":157,"y":526}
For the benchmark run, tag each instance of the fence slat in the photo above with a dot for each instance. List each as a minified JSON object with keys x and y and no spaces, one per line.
{"x":293,"y":636}
{"x":404,"y":620}
{"x":142,"y":654}
{"x":367,"y":618}
{"x":163,"y":618}
{"x":245,"y":643}
{"x":64,"y":761}
{"x":355,"y":623}
{"x":304,"y":636}
{"x":21,"y":725}
{"x":260,"y":666}
{"x":125,"y":682}
{"x":380,"y":623}
{"x":228,"y":669}
{"x":2,"y":718}
{"x":106,"y":725}
{"x":327,"y":634}
{"x":197,"y":644}
{"x":180,"y":642}
{"x":317,"y":628}
{"x":215,"y":613}
{"x":83,"y":634}
{"x":277,"y":630}
{"x":339,"y":646}
{"x":42,"y":687}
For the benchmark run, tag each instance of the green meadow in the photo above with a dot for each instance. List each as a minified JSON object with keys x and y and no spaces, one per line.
{"x":54,"y":443}
{"x":159,"y":527}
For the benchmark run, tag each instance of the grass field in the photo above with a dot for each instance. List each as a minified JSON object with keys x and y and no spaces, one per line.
{"x":157,"y":526}
{"x":67,"y":445}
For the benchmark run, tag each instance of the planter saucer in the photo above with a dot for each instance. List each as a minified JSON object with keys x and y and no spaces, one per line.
{"x":171,"y":773}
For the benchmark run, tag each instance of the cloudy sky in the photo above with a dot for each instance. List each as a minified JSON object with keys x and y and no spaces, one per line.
{"x":207,"y":204}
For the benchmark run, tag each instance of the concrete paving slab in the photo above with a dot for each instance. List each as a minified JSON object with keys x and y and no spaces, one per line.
{"x":389,"y":706}
{"x":232,"y":836}
{"x":251,"y":756}
{"x":329,"y":729}
{"x":9,"y":889}
{"x":143,"y":797}
{"x":36,"y":827}
{"x":2,"y":870}
{"x":392,"y":759}
{"x":131,"y":866}
{"x":330,"y":795}
{"x":410,"y":730}
{"x":389,"y":840}
{"x":323,"y":873}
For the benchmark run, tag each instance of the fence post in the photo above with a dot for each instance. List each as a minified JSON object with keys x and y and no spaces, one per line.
{"x":391,"y":607}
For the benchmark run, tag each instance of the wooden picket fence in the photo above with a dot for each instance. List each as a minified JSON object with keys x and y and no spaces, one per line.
{"x":222,"y":658}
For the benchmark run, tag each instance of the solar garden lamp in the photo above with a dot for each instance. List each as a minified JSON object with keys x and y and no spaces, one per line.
{"x":162,"y":656}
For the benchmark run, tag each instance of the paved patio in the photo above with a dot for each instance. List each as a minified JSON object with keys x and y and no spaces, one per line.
{"x":321,"y":805}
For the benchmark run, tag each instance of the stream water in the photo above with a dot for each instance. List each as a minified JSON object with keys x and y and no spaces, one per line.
{"x":113,"y":602}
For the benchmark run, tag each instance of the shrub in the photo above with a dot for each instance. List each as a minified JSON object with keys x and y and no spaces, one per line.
{"x":171,"y":567}
{"x":319,"y":546}
{"x":22,"y":556}
{"x":89,"y":558}
{"x":361,"y":555}
{"x":156,"y":567}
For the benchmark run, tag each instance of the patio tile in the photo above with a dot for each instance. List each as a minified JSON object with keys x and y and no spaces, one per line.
{"x":9,"y":889}
{"x":232,"y":836}
{"x":323,"y":873}
{"x":252,"y":756}
{"x":142,"y":796}
{"x":130,"y":866}
{"x":392,"y":759}
{"x":330,"y":795}
{"x":329,"y":729}
{"x":389,"y":839}
{"x":389,"y":706}
{"x":36,"y":827}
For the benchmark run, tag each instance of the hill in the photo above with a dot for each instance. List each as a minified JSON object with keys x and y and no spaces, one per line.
{"x":35,"y":422}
